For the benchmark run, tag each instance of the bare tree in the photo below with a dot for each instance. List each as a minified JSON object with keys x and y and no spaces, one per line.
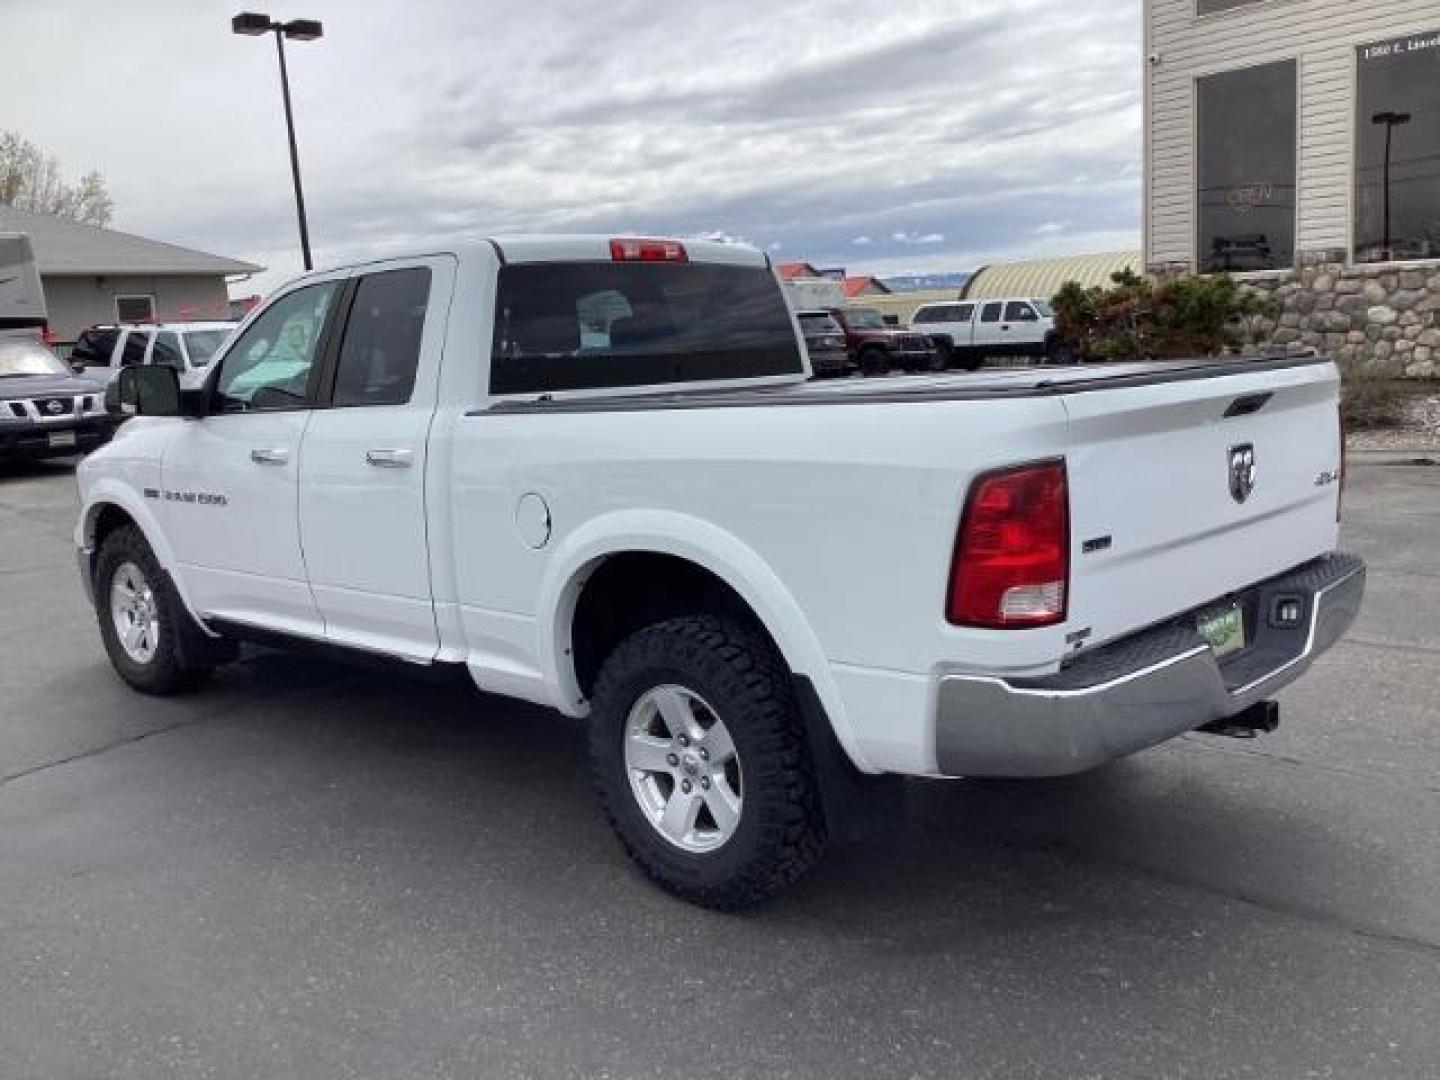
{"x":30,"y":180}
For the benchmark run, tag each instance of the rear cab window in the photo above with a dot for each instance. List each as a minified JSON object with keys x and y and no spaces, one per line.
{"x":584,"y":326}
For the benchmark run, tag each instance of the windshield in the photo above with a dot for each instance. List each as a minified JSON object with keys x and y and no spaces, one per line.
{"x":28,"y":358}
{"x":866,"y":319}
{"x":1043,"y":307}
{"x":201,"y":344}
{"x":818,"y":323}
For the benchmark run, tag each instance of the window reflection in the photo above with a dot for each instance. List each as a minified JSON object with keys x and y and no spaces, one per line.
{"x":1246,"y":169}
{"x":1397,"y":150}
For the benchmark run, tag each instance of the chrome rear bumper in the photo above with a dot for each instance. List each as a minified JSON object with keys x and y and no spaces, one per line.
{"x":1144,"y":689}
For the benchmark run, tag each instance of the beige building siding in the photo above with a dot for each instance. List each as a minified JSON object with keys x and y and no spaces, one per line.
{"x":1322,"y":36}
{"x":76,"y":301}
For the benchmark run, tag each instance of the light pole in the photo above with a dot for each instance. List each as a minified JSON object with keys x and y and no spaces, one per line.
{"x":1391,"y":120}
{"x":252,"y":24}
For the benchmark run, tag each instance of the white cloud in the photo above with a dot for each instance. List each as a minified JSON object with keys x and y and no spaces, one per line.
{"x":470,"y":119}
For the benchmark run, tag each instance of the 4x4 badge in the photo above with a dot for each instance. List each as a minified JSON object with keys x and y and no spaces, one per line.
{"x":1242,"y":471}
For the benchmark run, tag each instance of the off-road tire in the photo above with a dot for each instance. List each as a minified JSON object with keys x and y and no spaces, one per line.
{"x":782,"y":831}
{"x":184,"y":657}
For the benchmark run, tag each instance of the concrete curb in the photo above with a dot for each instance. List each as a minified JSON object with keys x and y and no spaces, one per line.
{"x":1392,"y":457}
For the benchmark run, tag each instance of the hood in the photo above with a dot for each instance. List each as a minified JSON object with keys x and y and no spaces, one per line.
{"x":25,"y":386}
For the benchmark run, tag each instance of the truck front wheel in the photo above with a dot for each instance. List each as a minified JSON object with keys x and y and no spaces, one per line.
{"x":701,"y":761}
{"x":152,"y":642}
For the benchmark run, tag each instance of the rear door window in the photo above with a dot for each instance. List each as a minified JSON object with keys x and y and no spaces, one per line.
{"x":580,"y":326}
{"x":991,"y":312}
{"x":167,"y":350}
{"x":381,"y":348}
{"x":133,"y":351}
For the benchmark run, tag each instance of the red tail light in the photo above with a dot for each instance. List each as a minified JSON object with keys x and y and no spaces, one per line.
{"x":1012,"y":555}
{"x":623,"y":250}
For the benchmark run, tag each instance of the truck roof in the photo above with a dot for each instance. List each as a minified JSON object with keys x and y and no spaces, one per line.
{"x":575,"y":247}
{"x":595,"y":247}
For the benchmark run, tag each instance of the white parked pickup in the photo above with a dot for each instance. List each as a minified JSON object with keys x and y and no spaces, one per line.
{"x":972,"y":330}
{"x":593,"y":472}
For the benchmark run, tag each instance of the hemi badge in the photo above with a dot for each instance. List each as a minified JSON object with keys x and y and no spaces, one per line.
{"x":1099,"y":543}
{"x":152,"y":493}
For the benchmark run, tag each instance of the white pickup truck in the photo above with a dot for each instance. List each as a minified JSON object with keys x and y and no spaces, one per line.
{"x":971,"y":330}
{"x":594,"y":472}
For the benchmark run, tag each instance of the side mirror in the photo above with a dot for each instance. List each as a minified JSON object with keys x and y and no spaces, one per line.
{"x":147,"y":390}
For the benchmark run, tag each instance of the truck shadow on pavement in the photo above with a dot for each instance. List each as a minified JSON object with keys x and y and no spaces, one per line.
{"x":487,"y":780}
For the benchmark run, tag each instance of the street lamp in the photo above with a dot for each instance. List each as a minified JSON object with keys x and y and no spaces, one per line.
{"x":1391,"y":120}
{"x":252,"y":24}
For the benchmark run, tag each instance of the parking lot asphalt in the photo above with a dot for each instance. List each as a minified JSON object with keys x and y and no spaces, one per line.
{"x":308,"y":870}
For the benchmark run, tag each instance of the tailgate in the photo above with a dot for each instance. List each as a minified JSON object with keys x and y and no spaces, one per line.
{"x":1150,"y":468}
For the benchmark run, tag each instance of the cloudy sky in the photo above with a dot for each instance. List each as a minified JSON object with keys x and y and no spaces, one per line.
{"x":883,"y":135}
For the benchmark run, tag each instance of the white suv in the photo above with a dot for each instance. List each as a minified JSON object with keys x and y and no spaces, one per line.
{"x":186,"y":347}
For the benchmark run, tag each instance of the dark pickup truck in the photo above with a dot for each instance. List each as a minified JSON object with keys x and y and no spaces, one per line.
{"x":45,"y":409}
{"x":876,"y":347}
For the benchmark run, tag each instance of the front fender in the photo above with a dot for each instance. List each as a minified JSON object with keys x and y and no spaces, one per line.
{"x":706,"y":545}
{"x":109,"y":491}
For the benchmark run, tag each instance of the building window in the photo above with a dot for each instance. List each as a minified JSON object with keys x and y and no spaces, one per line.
{"x":1214,"y":7}
{"x":1246,"y":169}
{"x":1397,"y":150}
{"x":134,"y":309}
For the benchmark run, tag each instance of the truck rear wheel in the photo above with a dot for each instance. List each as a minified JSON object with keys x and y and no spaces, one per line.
{"x":152,"y":642}
{"x":701,"y":762}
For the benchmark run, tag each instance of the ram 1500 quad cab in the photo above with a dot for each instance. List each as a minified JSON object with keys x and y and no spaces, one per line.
{"x":593,"y":472}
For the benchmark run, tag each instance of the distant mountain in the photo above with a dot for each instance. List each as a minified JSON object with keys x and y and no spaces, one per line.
{"x":952,"y":279}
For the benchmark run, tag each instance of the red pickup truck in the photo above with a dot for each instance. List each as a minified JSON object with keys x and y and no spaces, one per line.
{"x":877,"y":347}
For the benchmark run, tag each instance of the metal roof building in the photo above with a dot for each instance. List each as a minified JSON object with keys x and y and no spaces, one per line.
{"x":1042,"y":278}
{"x":92,"y":275}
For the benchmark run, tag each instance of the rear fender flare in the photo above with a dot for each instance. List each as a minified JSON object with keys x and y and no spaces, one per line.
{"x":707,"y":546}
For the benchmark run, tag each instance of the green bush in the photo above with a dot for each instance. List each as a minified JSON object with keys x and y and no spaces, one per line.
{"x":1140,"y":320}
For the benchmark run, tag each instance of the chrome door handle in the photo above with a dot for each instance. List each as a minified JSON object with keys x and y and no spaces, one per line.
{"x":390,"y":459}
{"x":275,"y":455}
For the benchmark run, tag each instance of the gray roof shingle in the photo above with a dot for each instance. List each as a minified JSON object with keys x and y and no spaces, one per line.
{"x":67,"y":247}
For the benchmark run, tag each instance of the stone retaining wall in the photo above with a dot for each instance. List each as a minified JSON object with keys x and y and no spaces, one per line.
{"x":1383,"y":320}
